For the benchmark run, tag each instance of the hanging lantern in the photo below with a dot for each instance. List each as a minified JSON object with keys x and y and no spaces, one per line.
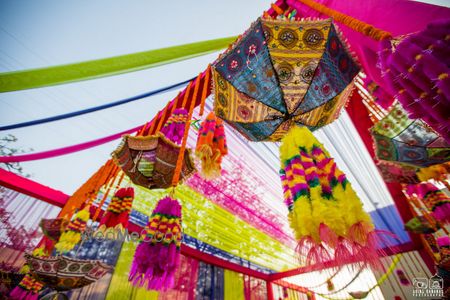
{"x":324,"y":210}
{"x":118,"y":211}
{"x":403,"y":140}
{"x":211,"y":146}
{"x":150,"y":161}
{"x":72,"y":235}
{"x":158,"y":254}
{"x":280,"y":73}
{"x":52,"y":228}
{"x":417,"y":72}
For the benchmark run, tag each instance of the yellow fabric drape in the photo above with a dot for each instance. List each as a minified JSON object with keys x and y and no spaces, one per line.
{"x":233,"y":286}
{"x":119,"y":287}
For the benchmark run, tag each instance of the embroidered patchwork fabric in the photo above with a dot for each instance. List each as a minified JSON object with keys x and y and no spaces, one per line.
{"x":63,"y":273}
{"x":150,"y":161}
{"x":400,"y":139}
{"x":262,"y":85}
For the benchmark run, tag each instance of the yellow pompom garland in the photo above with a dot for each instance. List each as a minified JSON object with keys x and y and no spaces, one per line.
{"x":324,"y":211}
{"x":72,"y":235}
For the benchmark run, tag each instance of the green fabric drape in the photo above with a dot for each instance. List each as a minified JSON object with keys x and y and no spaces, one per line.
{"x":234,"y":285}
{"x":120,"y":288}
{"x":35,"y":78}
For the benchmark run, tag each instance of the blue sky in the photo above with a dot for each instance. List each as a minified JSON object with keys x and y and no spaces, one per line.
{"x":42,"y":33}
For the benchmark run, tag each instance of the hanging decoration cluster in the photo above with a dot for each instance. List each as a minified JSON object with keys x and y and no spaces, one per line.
{"x":433,"y":198}
{"x":173,"y":129}
{"x":119,"y":209}
{"x":211,"y":146}
{"x":417,"y":72}
{"x":403,"y":140}
{"x":52,"y":228}
{"x":158,"y":254}
{"x":72,"y":235}
{"x":324,"y":211}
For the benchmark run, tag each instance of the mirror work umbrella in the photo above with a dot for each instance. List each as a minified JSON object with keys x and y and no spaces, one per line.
{"x":62,"y":273}
{"x":402,"y":140}
{"x":280,"y":73}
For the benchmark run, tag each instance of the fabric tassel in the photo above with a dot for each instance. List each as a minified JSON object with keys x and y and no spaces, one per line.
{"x":28,"y":289}
{"x":173,"y":129}
{"x":211,"y":146}
{"x":417,"y":72}
{"x":158,"y":255}
{"x":118,"y":211}
{"x":72,"y":235}
{"x":324,"y":211}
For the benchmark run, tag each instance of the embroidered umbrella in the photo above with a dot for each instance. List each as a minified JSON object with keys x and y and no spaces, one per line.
{"x":392,"y":172}
{"x":62,"y":273}
{"x":403,"y":140}
{"x":53,"y":228}
{"x":150,"y":161}
{"x":283,"y":72}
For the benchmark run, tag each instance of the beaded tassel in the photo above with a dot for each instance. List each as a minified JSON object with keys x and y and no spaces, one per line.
{"x":211,"y":146}
{"x":158,"y":255}
{"x":119,"y":208}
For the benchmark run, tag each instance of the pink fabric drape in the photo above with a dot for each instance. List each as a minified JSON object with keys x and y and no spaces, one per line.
{"x":398,"y":17}
{"x":66,"y":150}
{"x":32,"y":188}
{"x":185,"y":281}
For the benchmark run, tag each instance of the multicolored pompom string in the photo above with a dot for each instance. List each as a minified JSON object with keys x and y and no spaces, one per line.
{"x":211,"y":146}
{"x":118,"y":211}
{"x":324,"y":210}
{"x":72,"y":235}
{"x":29,"y":287}
{"x":173,"y":129}
{"x":158,"y":254}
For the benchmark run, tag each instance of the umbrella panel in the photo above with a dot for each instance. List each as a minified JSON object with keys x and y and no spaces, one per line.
{"x":313,"y":74}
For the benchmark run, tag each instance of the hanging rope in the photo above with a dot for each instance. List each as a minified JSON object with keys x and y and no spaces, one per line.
{"x":203,"y":101}
{"x":355,"y":24}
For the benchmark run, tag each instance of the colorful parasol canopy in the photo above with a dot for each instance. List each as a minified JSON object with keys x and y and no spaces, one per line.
{"x":283,"y":72}
{"x":62,"y":273}
{"x":52,"y":228}
{"x":150,"y":161}
{"x":402,"y":140}
{"x":392,"y":172}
